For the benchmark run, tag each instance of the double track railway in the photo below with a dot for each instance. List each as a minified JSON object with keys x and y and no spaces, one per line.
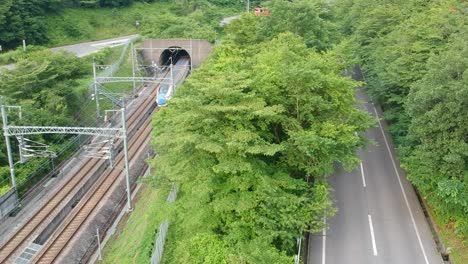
{"x":139,"y":131}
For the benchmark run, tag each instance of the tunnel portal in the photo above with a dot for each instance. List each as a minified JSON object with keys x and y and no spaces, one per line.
{"x":172,"y":54}
{"x":160,"y":50}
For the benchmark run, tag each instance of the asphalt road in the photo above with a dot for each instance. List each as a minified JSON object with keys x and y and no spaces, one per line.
{"x":86,"y":48}
{"x":379,"y":219}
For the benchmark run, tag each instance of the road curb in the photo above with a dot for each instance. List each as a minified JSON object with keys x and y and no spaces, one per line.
{"x":434,"y":230}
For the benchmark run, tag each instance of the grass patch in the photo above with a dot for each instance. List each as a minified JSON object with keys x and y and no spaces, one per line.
{"x":81,"y":25}
{"x":125,"y":70}
{"x":458,"y":247}
{"x":134,"y":239}
{"x":76,"y":25}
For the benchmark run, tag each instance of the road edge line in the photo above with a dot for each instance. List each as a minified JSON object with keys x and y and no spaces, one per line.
{"x":401,"y":187}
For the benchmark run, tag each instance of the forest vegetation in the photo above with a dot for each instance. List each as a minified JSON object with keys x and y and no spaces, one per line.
{"x":415,"y":58}
{"x":253,"y":133}
{"x":251,"y":136}
{"x":52,"y":88}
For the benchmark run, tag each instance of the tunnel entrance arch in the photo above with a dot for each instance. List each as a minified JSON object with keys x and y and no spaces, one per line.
{"x":172,"y":55}
{"x":198,"y":50}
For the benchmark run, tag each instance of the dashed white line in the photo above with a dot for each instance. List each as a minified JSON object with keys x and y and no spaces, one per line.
{"x":371,"y":227}
{"x":402,"y":189}
{"x":363,"y":177}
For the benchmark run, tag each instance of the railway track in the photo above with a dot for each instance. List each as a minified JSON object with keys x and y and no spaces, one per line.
{"x":51,"y":208}
{"x":60,"y":239}
{"x":55,"y":245}
{"x":24,"y":235}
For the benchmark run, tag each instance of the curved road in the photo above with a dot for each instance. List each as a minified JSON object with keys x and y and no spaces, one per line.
{"x":86,"y":48}
{"x":379,"y":219}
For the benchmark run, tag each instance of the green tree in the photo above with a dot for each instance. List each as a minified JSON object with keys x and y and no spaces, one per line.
{"x":249,"y":142}
{"x":437,"y":104}
{"x":308,"y":19}
{"x":23,"y":19}
{"x":414,"y":57}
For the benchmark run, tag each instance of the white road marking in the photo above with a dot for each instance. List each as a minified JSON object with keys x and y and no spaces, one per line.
{"x":363,"y":177}
{"x":324,"y":241}
{"x":402,"y":189}
{"x":113,"y":42}
{"x":371,"y":227}
{"x":362,"y":170}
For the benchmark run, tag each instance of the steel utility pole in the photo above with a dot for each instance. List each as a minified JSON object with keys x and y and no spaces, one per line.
{"x":127,"y":166}
{"x":8,"y":145}
{"x":127,"y":172}
{"x":248,"y":6}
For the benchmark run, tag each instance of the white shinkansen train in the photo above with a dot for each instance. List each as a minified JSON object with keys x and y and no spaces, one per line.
{"x":176,"y":74}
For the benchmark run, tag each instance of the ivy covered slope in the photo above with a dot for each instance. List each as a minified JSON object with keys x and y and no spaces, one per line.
{"x":415,"y":57}
{"x":249,"y":138}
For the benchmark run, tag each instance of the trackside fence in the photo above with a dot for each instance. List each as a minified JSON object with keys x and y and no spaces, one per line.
{"x":161,"y":238}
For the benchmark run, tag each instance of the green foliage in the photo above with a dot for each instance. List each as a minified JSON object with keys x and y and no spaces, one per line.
{"x":157,"y":20}
{"x":305,"y":18}
{"x":437,"y":104}
{"x":171,"y":26}
{"x":136,"y":243}
{"x":59,"y":22}
{"x":18,"y":54}
{"x":308,"y":19}
{"x":249,"y":142}
{"x":43,"y":85}
{"x":23,"y":19}
{"x":52,"y":89}
{"x":414,"y":57}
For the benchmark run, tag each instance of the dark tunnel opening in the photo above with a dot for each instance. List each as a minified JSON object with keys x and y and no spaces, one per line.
{"x":174,"y":53}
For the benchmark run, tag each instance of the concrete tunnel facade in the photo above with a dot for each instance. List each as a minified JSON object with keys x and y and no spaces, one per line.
{"x":159,"y":50}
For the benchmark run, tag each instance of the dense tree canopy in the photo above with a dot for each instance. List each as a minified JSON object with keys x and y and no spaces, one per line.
{"x":309,"y":19}
{"x":414,"y":57}
{"x":44,"y":85}
{"x":438,"y":129}
{"x":22,"y":19}
{"x":249,"y":138}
